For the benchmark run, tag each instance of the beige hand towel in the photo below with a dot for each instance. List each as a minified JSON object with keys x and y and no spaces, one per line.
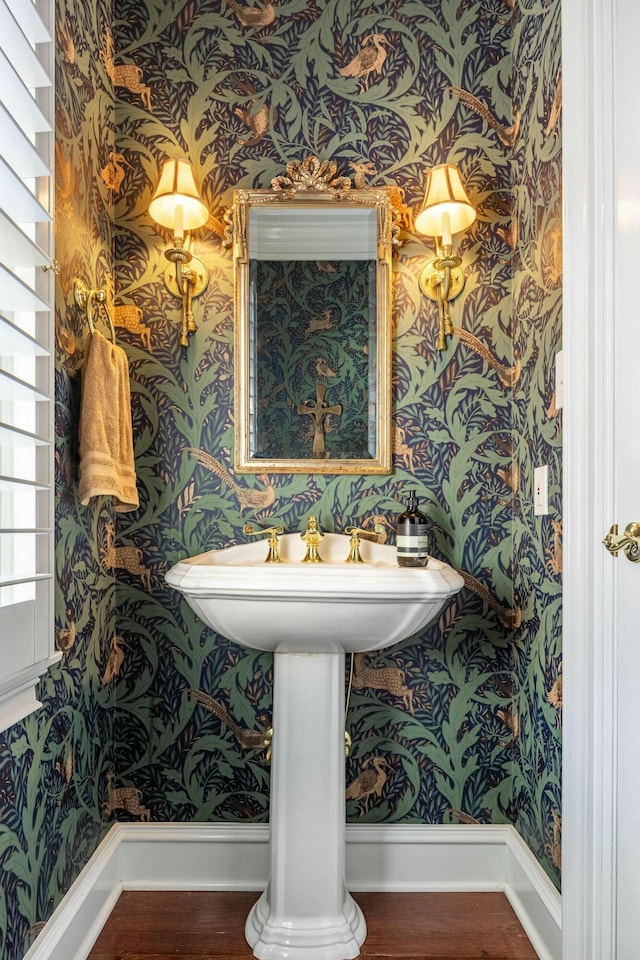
{"x":106,"y":441}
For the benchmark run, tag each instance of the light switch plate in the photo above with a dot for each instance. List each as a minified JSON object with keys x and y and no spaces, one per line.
{"x":541,"y":490}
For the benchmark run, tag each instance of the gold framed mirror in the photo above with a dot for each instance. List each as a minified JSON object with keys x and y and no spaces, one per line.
{"x":312,"y":262}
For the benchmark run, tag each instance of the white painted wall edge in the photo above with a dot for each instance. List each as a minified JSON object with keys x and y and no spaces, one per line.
{"x":590,"y":327}
{"x":389,"y":857}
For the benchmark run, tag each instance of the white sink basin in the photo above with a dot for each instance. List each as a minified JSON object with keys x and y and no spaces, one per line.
{"x":295,"y":607}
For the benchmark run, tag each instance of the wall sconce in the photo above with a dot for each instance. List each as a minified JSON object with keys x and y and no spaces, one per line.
{"x":446,"y":210}
{"x":176,"y":204}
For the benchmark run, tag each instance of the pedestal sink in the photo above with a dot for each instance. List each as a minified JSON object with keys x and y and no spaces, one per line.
{"x":309,"y":615}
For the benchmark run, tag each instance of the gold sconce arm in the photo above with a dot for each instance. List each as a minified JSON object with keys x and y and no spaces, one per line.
{"x":628,"y":542}
{"x":273,"y":556}
{"x":442,"y":280}
{"x":186,"y":278}
{"x":446,"y":210}
{"x":177,"y":205}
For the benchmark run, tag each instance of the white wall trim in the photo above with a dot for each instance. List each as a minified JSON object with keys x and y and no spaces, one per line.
{"x":589,"y":602}
{"x":389,"y":857}
{"x":535,"y":900}
{"x":80,"y":916}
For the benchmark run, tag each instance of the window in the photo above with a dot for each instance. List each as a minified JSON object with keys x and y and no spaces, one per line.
{"x":26,"y":347}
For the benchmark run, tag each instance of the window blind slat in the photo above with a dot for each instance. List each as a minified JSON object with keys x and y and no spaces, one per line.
{"x":11,"y":436}
{"x":20,"y":555}
{"x":22,"y":53}
{"x":12,"y":483}
{"x":28,"y":531}
{"x":16,"y":295}
{"x":27,"y":17}
{"x":18,"y":151}
{"x":14,"y":389}
{"x":6,"y":580}
{"x":17,"y":200}
{"x":19,"y":99}
{"x":16,"y":248}
{"x":16,"y":342}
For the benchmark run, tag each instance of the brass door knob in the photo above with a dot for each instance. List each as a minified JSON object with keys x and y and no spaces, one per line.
{"x":628,"y":542}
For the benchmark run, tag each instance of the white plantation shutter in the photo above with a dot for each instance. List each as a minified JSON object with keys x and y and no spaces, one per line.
{"x":26,"y":347}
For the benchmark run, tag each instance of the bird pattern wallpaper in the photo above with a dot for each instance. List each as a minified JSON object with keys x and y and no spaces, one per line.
{"x":149,"y":715}
{"x":314,"y":359}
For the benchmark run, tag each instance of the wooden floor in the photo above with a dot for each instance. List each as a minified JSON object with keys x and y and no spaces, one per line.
{"x":411,"y":926}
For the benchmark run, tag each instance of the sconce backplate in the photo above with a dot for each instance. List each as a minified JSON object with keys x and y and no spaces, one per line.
{"x":199,"y":271}
{"x":430,"y":281}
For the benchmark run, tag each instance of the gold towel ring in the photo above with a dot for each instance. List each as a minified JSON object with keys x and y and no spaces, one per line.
{"x":101,"y":298}
{"x":84,"y":297}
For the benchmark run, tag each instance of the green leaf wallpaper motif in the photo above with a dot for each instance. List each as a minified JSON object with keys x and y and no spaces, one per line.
{"x":385,"y":91}
{"x":537,"y":541}
{"x":462,"y":724}
{"x":315,"y":347}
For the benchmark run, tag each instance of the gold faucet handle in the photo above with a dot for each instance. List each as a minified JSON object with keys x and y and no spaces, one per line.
{"x":354,"y":543}
{"x":273,"y":556}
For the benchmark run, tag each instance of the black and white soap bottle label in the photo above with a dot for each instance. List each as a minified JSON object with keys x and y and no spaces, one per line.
{"x":414,"y":545}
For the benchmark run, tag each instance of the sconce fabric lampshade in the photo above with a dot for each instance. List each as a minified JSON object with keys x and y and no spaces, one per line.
{"x":444,"y":194}
{"x":177,"y":188}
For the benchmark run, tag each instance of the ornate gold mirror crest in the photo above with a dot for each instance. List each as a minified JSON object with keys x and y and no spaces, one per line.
{"x":312,"y":261}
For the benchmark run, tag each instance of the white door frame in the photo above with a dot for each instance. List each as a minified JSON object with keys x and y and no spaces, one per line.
{"x":590,"y":642}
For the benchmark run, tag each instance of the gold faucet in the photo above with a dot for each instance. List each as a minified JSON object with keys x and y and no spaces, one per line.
{"x":354,"y":543}
{"x":273,"y":556}
{"x":312,"y":538}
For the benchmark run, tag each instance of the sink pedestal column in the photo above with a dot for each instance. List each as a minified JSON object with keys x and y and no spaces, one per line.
{"x":306,"y":912}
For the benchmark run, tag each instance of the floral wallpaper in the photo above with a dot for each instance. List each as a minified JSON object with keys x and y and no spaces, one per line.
{"x":462,"y":724}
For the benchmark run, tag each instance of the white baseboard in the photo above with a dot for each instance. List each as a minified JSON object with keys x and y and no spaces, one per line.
{"x":390,"y":857}
{"x":535,"y":900}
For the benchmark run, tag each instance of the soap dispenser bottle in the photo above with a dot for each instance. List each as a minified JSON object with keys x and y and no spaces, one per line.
{"x":413,"y":539}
